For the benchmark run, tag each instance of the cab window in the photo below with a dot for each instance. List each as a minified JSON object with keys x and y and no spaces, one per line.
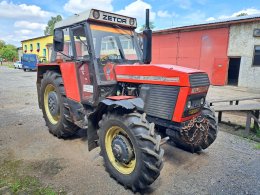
{"x":80,"y":40}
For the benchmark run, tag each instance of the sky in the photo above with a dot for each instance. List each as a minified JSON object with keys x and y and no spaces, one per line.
{"x":25,"y":19}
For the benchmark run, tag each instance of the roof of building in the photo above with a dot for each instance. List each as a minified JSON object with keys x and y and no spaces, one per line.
{"x":36,"y":38}
{"x":212,"y":24}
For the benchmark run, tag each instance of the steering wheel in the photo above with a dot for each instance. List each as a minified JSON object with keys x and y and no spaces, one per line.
{"x":110,"y":57}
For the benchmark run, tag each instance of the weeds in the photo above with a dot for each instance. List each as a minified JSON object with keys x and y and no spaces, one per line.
{"x":13,"y":174}
{"x":8,"y":65}
{"x":257,"y":146}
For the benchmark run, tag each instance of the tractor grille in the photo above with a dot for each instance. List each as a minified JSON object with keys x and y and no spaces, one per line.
{"x":197,"y":80}
{"x":159,"y":100}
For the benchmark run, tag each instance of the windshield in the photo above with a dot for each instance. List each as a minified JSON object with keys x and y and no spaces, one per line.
{"x":113,"y":45}
{"x":29,"y":58}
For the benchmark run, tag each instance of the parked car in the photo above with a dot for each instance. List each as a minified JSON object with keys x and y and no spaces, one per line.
{"x":29,"y":61}
{"x":18,"y":65}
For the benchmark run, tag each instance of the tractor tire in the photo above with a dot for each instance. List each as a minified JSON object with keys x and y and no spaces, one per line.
{"x":209,"y":114}
{"x":140,"y":162}
{"x":53,"y":103}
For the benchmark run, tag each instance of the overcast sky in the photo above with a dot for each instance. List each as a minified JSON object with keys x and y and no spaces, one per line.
{"x":26,"y":19}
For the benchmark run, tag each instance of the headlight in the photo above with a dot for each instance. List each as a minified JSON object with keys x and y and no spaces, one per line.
{"x":189,"y":104}
{"x":131,"y":21}
{"x":96,"y":14}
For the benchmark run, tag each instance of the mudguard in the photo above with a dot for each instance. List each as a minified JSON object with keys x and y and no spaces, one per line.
{"x":104,"y":105}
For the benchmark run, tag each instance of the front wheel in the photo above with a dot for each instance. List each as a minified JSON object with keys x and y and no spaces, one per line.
{"x":199,"y":133}
{"x":131,"y":149}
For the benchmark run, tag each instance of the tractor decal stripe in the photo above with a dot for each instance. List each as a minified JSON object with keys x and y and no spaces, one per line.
{"x":149,"y":78}
{"x":109,"y":29}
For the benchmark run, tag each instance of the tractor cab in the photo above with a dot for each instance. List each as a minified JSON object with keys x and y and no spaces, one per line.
{"x":96,"y":41}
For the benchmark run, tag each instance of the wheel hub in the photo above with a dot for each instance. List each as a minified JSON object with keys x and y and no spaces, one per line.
{"x":122,"y":149}
{"x":53,"y":103}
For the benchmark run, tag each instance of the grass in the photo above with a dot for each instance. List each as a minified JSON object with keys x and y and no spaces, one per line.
{"x":9,"y":65}
{"x":257,"y":146}
{"x":14,"y":175}
{"x":258,"y":132}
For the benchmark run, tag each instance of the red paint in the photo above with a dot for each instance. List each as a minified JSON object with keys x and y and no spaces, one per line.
{"x":194,"y":49}
{"x":159,"y":71}
{"x":120,"y":97}
{"x":220,"y":69}
{"x":84,"y":78}
{"x":109,"y":72}
{"x":70,"y":80}
{"x":180,"y":104}
{"x":69,"y":76}
{"x":78,"y":46}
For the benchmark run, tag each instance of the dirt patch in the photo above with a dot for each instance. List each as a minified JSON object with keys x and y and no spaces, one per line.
{"x":18,"y":177}
{"x":47,"y":168}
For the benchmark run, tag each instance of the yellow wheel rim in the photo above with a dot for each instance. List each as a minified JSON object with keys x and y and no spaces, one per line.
{"x":53,"y":119}
{"x":121,"y":167}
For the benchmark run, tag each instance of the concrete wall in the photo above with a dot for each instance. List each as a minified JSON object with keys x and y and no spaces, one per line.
{"x":241,"y":43}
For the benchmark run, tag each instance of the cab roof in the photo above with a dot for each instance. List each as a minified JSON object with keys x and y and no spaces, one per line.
{"x":98,"y":16}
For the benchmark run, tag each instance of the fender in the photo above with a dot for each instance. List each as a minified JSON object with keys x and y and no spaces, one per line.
{"x":103,"y":106}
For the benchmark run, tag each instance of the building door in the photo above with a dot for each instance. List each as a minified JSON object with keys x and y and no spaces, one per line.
{"x":219,"y":71}
{"x":233,"y":71}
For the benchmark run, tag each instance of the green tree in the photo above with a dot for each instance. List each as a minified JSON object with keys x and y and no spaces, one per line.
{"x":8,"y":52}
{"x":151,"y":24}
{"x":2,"y":44}
{"x":241,"y":14}
{"x":50,"y":27}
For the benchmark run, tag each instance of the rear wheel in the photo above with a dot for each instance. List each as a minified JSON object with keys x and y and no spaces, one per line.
{"x":53,"y":101}
{"x":201,"y":135}
{"x":130,"y":148}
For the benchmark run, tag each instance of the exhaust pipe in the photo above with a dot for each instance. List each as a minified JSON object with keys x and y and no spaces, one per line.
{"x":147,"y":40}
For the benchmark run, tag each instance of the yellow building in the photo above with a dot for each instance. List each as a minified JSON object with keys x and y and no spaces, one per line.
{"x":41,"y":46}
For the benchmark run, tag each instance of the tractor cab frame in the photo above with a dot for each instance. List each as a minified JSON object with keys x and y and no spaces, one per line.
{"x":107,"y":40}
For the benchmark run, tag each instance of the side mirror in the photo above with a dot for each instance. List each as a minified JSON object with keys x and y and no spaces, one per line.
{"x":147,"y":46}
{"x":58,"y":40}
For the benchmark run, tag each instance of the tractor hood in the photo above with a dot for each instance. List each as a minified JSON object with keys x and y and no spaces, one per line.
{"x":162,"y":74}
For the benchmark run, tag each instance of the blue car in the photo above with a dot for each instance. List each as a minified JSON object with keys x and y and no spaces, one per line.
{"x":29,"y":61}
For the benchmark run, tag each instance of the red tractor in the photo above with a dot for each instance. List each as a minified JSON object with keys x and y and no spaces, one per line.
{"x":101,"y":80}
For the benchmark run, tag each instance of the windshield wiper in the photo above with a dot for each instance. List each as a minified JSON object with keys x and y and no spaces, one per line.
{"x":71,"y":57}
{"x":126,"y":31}
{"x":78,"y":37}
{"x":121,"y":54}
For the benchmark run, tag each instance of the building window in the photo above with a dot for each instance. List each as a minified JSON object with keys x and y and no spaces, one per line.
{"x":44,"y":52}
{"x":31,"y":47}
{"x":25,"y":47}
{"x":38,"y":47}
{"x":256,"y":61}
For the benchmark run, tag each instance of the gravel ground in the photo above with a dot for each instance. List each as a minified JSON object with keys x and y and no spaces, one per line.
{"x":230,"y":166}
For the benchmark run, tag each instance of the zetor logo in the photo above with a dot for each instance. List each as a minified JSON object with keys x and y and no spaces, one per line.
{"x":114,"y":19}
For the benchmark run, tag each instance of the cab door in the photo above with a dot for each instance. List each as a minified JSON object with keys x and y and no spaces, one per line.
{"x":83,"y":63}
